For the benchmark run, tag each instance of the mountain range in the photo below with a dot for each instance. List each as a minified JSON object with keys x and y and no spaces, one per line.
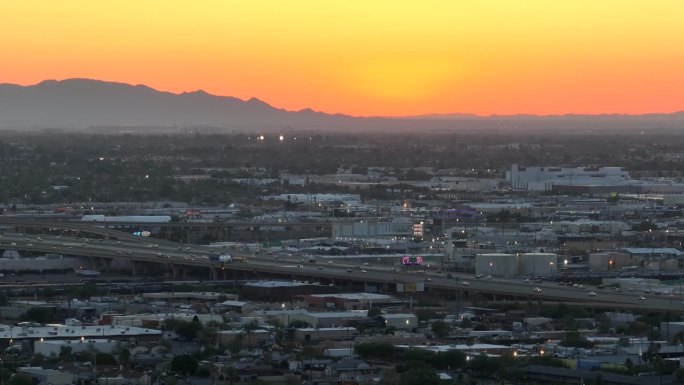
{"x":87,"y":104}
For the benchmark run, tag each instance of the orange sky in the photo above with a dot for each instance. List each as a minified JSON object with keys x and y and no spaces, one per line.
{"x":362,"y":57}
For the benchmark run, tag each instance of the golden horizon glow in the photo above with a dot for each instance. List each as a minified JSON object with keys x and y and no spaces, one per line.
{"x":358,"y":57}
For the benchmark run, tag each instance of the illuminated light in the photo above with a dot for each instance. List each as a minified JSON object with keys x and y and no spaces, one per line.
{"x":281,"y":138}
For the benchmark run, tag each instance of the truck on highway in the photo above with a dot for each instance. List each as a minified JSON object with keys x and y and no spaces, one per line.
{"x":86,"y":272}
{"x":227,"y":258}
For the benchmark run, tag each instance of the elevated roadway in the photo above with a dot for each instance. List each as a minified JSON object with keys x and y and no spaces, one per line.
{"x":177,"y":257}
{"x":38,"y":222}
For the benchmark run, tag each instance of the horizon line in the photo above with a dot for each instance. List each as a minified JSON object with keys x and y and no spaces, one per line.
{"x":429,"y":115}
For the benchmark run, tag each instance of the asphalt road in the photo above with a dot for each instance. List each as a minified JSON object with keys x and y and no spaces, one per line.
{"x":281,"y":263}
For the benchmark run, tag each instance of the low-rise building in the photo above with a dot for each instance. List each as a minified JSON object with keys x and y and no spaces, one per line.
{"x":328,"y":319}
{"x":406,"y":321}
{"x":319,"y":334}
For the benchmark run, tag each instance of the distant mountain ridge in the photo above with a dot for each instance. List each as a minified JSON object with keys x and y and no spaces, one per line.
{"x":85,"y":103}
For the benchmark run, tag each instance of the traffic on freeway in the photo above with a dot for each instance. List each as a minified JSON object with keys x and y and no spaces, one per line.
{"x":288,"y":264}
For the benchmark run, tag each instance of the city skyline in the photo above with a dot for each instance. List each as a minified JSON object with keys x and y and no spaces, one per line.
{"x":379,"y":59}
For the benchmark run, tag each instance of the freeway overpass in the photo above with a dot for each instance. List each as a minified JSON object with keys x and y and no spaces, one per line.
{"x":109,"y":229}
{"x":38,"y":222}
{"x":179,"y":259}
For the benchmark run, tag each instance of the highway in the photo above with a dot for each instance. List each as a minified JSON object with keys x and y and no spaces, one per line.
{"x":33,"y":222}
{"x":284,"y":265}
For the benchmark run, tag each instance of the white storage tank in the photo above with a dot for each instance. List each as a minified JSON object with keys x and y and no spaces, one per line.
{"x":496,"y":264}
{"x":537,"y":264}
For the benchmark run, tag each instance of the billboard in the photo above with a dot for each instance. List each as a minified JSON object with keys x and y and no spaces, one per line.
{"x":412,"y":260}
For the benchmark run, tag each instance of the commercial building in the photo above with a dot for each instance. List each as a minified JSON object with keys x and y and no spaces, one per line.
{"x":545,"y":178}
{"x":371,"y":228}
{"x":401,"y":321}
{"x":319,"y":334}
{"x":54,"y":347}
{"x":283,"y":290}
{"x":328,"y":319}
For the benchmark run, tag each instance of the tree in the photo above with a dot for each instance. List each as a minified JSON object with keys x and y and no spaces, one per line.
{"x":604,"y":323}
{"x":39,"y":314}
{"x":105,"y":359}
{"x":87,"y":290}
{"x":374,"y":312}
{"x":37,"y":359}
{"x":440,"y":328}
{"x":679,"y":374}
{"x":425,"y":314}
{"x":231,"y":375}
{"x":124,"y":356}
{"x":20,"y":379}
{"x":652,"y":356}
{"x":184,"y":364}
{"x":188,"y":330}
{"x":375,"y":350}
{"x":482,"y":364}
{"x":575,"y":339}
{"x":420,"y":375}
{"x":451,"y":359}
{"x":65,"y":354}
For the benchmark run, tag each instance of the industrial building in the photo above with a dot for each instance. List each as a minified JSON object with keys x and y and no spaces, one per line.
{"x":532,"y":264}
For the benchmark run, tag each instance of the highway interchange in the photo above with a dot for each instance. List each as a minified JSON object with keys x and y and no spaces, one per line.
{"x":284,"y":265}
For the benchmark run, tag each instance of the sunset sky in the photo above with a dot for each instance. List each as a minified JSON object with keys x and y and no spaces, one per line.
{"x":365,"y":57}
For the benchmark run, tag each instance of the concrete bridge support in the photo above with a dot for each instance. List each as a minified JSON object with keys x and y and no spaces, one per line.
{"x":178,"y":271}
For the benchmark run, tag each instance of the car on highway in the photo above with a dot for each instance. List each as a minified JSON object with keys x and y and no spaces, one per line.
{"x":642,"y":298}
{"x":350,"y":271}
{"x":591,"y":294}
{"x":364,"y":271}
{"x":465,"y":283}
{"x":537,"y":290}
